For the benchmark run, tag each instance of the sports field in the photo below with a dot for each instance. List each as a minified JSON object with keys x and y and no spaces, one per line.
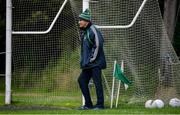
{"x":44,"y":50}
{"x":62,"y":107}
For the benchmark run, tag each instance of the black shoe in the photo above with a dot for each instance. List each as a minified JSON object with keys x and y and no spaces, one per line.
{"x":84,"y":108}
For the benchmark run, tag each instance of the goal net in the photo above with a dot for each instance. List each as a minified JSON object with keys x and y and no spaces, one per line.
{"x":150,"y":61}
{"x":46,"y":66}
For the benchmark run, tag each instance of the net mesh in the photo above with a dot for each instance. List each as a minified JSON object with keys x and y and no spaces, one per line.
{"x":46,"y":67}
{"x":150,"y":60}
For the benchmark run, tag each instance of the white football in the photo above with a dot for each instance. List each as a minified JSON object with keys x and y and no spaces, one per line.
{"x":174,"y":102}
{"x":158,"y":103}
{"x":148,"y":104}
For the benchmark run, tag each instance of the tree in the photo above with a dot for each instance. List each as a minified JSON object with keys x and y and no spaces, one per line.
{"x":2,"y":35}
{"x":170,"y":16}
{"x":170,"y":10}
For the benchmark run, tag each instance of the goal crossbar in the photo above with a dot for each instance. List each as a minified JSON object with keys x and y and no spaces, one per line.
{"x":60,"y":10}
{"x":132,"y":22}
{"x":50,"y":27}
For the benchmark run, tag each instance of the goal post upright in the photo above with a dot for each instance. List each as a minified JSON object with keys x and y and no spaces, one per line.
{"x":8,"y":51}
{"x":85,"y":4}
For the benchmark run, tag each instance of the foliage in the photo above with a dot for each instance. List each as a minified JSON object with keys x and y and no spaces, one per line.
{"x":51,"y":75}
{"x":2,"y":35}
{"x":177,"y":38}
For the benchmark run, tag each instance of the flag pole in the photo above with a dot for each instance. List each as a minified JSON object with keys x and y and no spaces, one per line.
{"x":112,"y":91}
{"x":119,"y":86}
{"x":117,"y":97}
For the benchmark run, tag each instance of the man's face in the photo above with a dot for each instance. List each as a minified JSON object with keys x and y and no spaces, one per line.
{"x":83,"y":23}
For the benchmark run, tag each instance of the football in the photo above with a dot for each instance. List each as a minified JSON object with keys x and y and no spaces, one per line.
{"x":158,"y":103}
{"x":148,"y":104}
{"x":174,"y":102}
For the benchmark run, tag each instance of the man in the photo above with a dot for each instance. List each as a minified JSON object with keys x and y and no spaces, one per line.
{"x":92,"y":60}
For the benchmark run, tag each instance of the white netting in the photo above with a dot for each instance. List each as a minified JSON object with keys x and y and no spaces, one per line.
{"x":46,"y":67}
{"x":150,"y":60}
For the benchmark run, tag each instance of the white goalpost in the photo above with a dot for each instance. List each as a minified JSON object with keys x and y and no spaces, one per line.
{"x":8,"y":51}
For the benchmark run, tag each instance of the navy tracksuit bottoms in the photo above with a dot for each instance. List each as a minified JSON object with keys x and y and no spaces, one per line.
{"x":83,"y":80}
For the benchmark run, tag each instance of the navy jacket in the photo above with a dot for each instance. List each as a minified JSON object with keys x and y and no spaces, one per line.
{"x":92,"y":54}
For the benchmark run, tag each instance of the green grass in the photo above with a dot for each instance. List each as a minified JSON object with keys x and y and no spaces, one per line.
{"x":32,"y":104}
{"x":64,"y":106}
{"x":119,"y":110}
{"x":106,"y":111}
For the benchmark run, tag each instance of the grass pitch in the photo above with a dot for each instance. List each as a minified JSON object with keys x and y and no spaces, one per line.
{"x":63,"y":106}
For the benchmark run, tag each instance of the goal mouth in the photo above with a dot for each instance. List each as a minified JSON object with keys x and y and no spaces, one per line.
{"x":47,"y":65}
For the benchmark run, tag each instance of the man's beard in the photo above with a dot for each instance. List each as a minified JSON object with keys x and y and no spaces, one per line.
{"x":82,"y":28}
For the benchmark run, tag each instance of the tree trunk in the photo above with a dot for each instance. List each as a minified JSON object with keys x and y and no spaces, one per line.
{"x":170,"y":8}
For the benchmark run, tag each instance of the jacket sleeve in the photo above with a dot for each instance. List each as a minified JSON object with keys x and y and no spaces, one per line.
{"x":96,"y":42}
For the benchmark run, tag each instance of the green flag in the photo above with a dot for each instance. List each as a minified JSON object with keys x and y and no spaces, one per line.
{"x":120,"y":76}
